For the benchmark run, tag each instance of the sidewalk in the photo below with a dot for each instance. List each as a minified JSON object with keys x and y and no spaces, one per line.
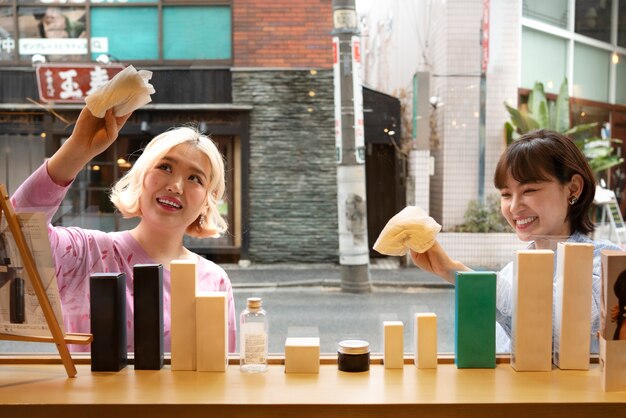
{"x":383,"y":273}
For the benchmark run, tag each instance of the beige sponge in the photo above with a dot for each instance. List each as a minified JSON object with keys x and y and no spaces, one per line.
{"x":126,"y":92}
{"x":411,"y":228}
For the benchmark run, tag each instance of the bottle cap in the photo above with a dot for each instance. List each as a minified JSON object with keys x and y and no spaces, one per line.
{"x":254,"y":303}
{"x":354,"y":347}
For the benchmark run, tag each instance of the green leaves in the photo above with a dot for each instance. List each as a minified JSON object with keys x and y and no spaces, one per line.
{"x":556,"y":116}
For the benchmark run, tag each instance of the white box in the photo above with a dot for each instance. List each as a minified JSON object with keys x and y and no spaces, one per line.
{"x":183,"y":314}
{"x":212,"y":331}
{"x":425,"y":331}
{"x":393,"y":344}
{"x":531,"y":327}
{"x":302,"y":355}
{"x":572,"y":322}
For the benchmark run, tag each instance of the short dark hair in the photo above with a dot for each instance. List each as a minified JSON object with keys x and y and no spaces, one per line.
{"x":541,"y":154}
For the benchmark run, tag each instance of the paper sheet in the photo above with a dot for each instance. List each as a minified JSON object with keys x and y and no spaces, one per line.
{"x":12,"y":268}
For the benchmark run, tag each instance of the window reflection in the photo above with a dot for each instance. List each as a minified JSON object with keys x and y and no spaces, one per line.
{"x":7,"y":34}
{"x":593,"y":19}
{"x":621,"y":24}
{"x":42,"y":29}
{"x":551,"y":12}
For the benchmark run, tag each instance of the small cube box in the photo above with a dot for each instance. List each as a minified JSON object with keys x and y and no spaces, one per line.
{"x":302,"y":355}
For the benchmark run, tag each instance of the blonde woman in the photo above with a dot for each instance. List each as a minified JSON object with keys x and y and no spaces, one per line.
{"x":173,"y":187}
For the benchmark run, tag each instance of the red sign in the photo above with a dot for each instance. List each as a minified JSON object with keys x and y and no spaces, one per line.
{"x":356,"y":50}
{"x":485,"y":36}
{"x":71,"y":83}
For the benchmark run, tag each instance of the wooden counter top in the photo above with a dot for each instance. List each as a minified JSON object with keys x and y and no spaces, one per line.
{"x":45,"y":390}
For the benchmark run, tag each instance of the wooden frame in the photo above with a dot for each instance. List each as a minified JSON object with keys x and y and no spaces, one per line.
{"x":57,"y":337}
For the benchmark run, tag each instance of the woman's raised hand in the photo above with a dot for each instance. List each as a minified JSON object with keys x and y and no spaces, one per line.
{"x":94,"y":134}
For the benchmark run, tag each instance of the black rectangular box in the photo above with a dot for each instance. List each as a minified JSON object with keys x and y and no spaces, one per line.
{"x":148,"y":312}
{"x":108,"y":322}
{"x":16,"y":302}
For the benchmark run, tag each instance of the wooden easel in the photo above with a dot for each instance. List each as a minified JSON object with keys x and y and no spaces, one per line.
{"x":57,"y":337}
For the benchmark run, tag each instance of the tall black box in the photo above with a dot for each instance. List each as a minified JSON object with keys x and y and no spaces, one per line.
{"x":108,"y":322}
{"x":148,"y":312}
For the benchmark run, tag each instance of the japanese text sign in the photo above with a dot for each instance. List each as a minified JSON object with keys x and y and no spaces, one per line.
{"x":71,"y":83}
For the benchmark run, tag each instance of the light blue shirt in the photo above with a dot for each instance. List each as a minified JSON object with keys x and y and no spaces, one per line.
{"x":504,"y":287}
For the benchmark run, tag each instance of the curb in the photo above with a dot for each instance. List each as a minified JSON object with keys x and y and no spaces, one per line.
{"x":337,"y":283}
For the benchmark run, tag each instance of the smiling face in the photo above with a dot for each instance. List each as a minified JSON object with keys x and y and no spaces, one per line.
{"x":175,"y":188}
{"x":538,"y":209}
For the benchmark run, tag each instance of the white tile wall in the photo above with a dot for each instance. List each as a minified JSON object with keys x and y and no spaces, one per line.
{"x":456,"y":67}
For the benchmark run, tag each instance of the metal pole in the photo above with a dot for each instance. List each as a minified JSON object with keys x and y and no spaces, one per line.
{"x":484,"y":44}
{"x":350,"y":150}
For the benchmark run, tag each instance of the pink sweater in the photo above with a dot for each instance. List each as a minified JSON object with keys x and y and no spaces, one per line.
{"x":79,"y":252}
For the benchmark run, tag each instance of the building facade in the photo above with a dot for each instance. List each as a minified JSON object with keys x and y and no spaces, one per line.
{"x":256,"y":75}
{"x":439,"y":44}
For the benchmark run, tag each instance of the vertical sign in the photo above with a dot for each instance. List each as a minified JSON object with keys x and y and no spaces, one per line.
{"x":359,"y":134}
{"x":337,"y":86}
{"x":485,"y":36}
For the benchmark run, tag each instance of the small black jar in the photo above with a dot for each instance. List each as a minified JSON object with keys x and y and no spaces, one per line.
{"x":353,"y":356}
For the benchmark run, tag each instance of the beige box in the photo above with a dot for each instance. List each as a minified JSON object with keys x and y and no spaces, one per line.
{"x":393,"y":344}
{"x":183,"y":314}
{"x":425,"y":332}
{"x":531,"y":327}
{"x":572,"y":322}
{"x":302,"y":355}
{"x":211,"y":331}
{"x":613,"y":364}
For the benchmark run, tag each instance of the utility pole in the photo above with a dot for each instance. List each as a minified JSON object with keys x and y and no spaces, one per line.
{"x":350,"y":150}
{"x":482,"y":106}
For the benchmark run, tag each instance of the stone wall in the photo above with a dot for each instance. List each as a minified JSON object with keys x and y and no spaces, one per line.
{"x":292,"y":170}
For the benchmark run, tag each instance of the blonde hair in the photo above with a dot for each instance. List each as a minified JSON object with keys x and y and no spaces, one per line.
{"x":126,"y":192}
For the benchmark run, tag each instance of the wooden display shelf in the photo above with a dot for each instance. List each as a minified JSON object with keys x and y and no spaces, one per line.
{"x":45,"y":391}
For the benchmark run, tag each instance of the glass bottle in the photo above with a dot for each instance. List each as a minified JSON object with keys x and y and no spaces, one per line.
{"x":253,"y":337}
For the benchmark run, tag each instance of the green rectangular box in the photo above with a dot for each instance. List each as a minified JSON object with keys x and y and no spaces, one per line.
{"x":475,"y":320}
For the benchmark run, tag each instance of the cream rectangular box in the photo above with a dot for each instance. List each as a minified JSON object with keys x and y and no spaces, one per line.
{"x":183,"y":314}
{"x":302,"y":355}
{"x":425,"y":331}
{"x":531,"y":326}
{"x":572,"y":322}
{"x":211,"y":331}
{"x":613,"y":364}
{"x":393,"y":332}
{"x":613,"y":321}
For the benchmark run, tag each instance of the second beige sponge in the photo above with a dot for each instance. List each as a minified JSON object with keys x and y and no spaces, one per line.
{"x":411,"y":228}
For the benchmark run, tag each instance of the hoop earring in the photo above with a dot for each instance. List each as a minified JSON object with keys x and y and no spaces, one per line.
{"x":572,"y":200}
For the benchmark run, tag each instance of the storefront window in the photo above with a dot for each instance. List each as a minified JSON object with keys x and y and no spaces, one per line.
{"x":132,"y":33}
{"x":593,"y":19}
{"x":551,"y":12}
{"x":7,"y":34}
{"x":125,"y":30}
{"x":544,"y":58}
{"x":186,"y":30}
{"x":591,"y":81}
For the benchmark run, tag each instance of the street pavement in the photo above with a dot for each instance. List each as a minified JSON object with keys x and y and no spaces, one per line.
{"x":306,"y":300}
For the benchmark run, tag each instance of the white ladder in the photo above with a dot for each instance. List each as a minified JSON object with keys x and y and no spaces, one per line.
{"x":606,"y":199}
